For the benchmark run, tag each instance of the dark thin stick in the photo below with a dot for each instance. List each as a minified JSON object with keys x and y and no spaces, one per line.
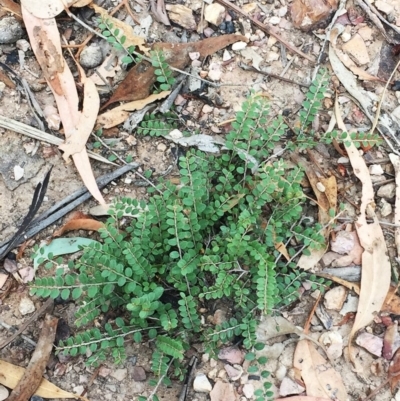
{"x":247,"y":67}
{"x":91,"y":380}
{"x":189,"y":374}
{"x":69,"y":203}
{"x":44,"y":308}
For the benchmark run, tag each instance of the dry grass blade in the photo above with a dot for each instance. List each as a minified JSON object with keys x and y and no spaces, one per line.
{"x":376,"y":270}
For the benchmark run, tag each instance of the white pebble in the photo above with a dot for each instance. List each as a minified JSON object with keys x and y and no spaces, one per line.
{"x":26,"y":306}
{"x":239,"y":46}
{"x":274,"y":20}
{"x":201,"y":384}
{"x":321,"y":187}
{"x":376,"y":169}
{"x":18,"y":173}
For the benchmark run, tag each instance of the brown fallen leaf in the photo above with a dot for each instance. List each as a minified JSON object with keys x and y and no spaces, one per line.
{"x":46,"y":44}
{"x":346,"y":60}
{"x":391,"y":341}
{"x":394,"y":371}
{"x":78,"y":221}
{"x":11,"y":375}
{"x":320,"y":378}
{"x":119,"y":114}
{"x":306,"y":15}
{"x":139,"y":80}
{"x":376,"y":268}
{"x":159,"y":11}
{"x":30,"y":381}
{"x":10,"y":6}
{"x":131,"y":38}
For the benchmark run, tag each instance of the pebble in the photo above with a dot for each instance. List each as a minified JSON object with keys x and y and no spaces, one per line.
{"x":239,"y":46}
{"x":386,"y":208}
{"x":343,"y":160}
{"x":231,"y":355}
{"x":201,"y":384}
{"x":274,"y":20}
{"x":23,"y":45}
{"x":333,"y":342}
{"x":181,"y":15}
{"x":3,"y":393}
{"x":321,"y":187}
{"x":234,"y":372}
{"x":290,"y":387}
{"x":376,"y":169}
{"x":212,"y":374}
{"x":91,"y":57}
{"x":226,"y":56}
{"x":213,"y":362}
{"x":281,"y":372}
{"x":346,"y":36}
{"x":214,"y":13}
{"x":215,"y":72}
{"x":387,"y":191}
{"x":18,"y":173}
{"x":10,"y":30}
{"x":26,"y":306}
{"x":138,"y":374}
{"x":351,"y":305}
{"x":334,"y":298}
{"x":205,"y":358}
{"x":161,"y":147}
{"x":36,"y":398}
{"x":282,"y":11}
{"x":119,"y":374}
{"x":207,"y":109}
{"x":78,"y":389}
{"x":248,"y":390}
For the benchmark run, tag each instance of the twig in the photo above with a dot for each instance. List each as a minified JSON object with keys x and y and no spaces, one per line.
{"x":39,"y":135}
{"x":267,"y":30}
{"x":32,"y":377}
{"x":91,"y":380}
{"x":44,"y":308}
{"x":189,"y":374}
{"x":150,"y":397}
{"x":124,"y":162}
{"x":246,"y":67}
{"x":378,"y":14}
{"x":27,"y":339}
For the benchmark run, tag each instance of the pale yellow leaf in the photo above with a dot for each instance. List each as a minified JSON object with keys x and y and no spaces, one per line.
{"x":375,"y":265}
{"x":126,"y":30}
{"x":11,"y":374}
{"x":119,"y":114}
{"x":320,"y":378}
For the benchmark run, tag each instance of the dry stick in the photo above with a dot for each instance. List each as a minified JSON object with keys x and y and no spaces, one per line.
{"x":396,"y":165}
{"x":267,"y":30}
{"x":246,"y":67}
{"x":33,"y":375}
{"x":47,"y":305}
{"x":91,"y":380}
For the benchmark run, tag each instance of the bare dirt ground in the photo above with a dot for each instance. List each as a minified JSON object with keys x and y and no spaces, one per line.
{"x":35,"y":157}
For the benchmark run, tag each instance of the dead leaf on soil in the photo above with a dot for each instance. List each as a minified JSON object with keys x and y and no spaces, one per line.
{"x":345,"y":59}
{"x":46,"y":44}
{"x":281,"y":248}
{"x":11,"y":374}
{"x":223,"y":391}
{"x":391,"y":341}
{"x":320,"y":378}
{"x":78,"y":221}
{"x":376,"y":269}
{"x":396,"y":165}
{"x":139,"y":80}
{"x":119,"y":114}
{"x":394,"y":371}
{"x":131,"y":38}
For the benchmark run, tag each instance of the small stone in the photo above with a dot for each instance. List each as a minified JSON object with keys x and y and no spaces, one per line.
{"x":282,"y":11}
{"x":321,"y":187}
{"x":10,"y":30}
{"x":128,"y":180}
{"x":91,"y":57}
{"x":23,"y":45}
{"x":119,"y":374}
{"x":387,"y":191}
{"x":215,"y":72}
{"x":194,"y":55}
{"x":333,"y":342}
{"x":226,"y":56}
{"x":386,"y":208}
{"x":208,"y":32}
{"x":274,"y":20}
{"x":104,"y":371}
{"x":290,"y":387}
{"x":334,"y":298}
{"x":3,"y":393}
{"x":239,"y":46}
{"x":231,"y":355}
{"x":248,"y":390}
{"x":376,"y":169}
{"x":213,"y":362}
{"x":214,"y":13}
{"x":26,"y":306}
{"x":384,"y":6}
{"x":161,"y":147}
{"x":212,"y":374}
{"x":343,"y":160}
{"x":357,"y":50}
{"x":201,"y":384}
{"x":234,"y":372}
{"x":138,"y":374}
{"x":371,"y":343}
{"x":78,"y":389}
{"x":250,"y":8}
{"x":205,"y":358}
{"x":18,"y":173}
{"x":271,"y":56}
{"x":207,"y":109}
{"x":281,"y":372}
{"x":350,"y":306}
{"x":365,"y":32}
{"x":346,"y":36}
{"x":182,"y":16}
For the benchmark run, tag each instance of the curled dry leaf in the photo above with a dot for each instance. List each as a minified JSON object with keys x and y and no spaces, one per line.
{"x":376,"y":269}
{"x":131,"y":38}
{"x":79,"y":221}
{"x":10,"y":6}
{"x":139,"y":80}
{"x":119,"y":114}
{"x":46,"y":44}
{"x":320,"y":378}
{"x":11,"y":374}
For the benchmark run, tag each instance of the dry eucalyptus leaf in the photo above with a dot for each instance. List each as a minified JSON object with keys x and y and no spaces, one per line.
{"x":50,"y":8}
{"x":119,"y":114}
{"x":11,"y":374}
{"x":46,"y":44}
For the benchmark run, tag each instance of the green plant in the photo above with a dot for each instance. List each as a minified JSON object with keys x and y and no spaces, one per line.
{"x":157,"y":124}
{"x":163,"y":71}
{"x":211,"y":237}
